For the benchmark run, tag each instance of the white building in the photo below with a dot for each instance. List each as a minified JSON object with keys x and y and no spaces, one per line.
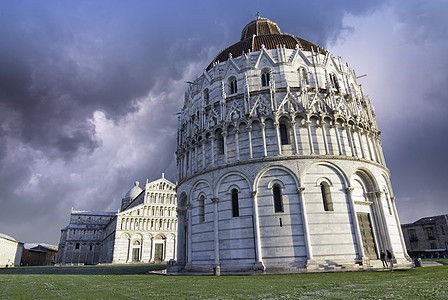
{"x":10,"y":251}
{"x":280,"y":162}
{"x":144,"y":230}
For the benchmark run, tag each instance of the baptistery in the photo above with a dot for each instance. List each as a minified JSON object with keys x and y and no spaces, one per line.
{"x":280,"y":163}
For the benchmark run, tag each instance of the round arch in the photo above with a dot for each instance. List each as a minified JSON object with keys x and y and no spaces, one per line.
{"x":368,"y":178}
{"x":220,"y":180}
{"x":330,"y":165}
{"x":270,"y":168}
{"x":193,"y":188}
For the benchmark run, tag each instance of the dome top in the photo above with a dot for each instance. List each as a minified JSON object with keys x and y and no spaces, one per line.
{"x":134,"y":191}
{"x":263,"y":31}
{"x":259,"y":26}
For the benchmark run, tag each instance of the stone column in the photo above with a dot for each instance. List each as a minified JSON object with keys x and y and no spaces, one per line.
{"x":216,"y":230}
{"x":164,"y":249}
{"x":294,"y":132}
{"x":212,"y":139}
{"x":174,"y":249}
{"x":310,"y":137}
{"x":338,"y":138}
{"x":184,"y":164}
{"x":359,"y":132}
{"x":190,"y":160}
{"x":203,"y":152}
{"x":350,"y":139}
{"x":181,"y":238}
{"x":257,"y":238}
{"x":237,"y":136}
{"x":397,"y":223}
{"x":263,"y":132}
{"x":249,"y":133}
{"x":381,"y":219}
{"x":129,"y":258}
{"x":324,"y":135}
{"x":279,"y":142}
{"x":151,"y":253}
{"x":196,"y":148}
{"x":369,"y":148}
{"x":224,"y":135}
{"x":141,"y":251}
{"x":189,"y":220}
{"x":381,"y":152}
{"x":306,"y":232}
{"x":355,"y":224}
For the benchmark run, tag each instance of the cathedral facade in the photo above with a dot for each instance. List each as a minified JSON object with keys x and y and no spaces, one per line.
{"x":280,"y":162}
{"x":144,"y":230}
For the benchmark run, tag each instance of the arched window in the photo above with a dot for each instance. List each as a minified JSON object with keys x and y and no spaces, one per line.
{"x":278,"y":198}
{"x":265,"y":78}
{"x":326,"y":196}
{"x":201,"y":206}
{"x":334,"y":81}
{"x":303,"y":76}
{"x":206,"y":97}
{"x":284,"y":138}
{"x":77,"y":246}
{"x":233,"y":87}
{"x":235,"y":205}
{"x":220,"y":142}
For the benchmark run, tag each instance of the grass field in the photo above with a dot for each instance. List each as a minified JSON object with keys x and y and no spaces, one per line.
{"x":125,"y":281}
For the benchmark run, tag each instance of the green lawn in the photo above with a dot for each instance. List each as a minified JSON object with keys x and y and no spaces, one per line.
{"x":105,"y":282}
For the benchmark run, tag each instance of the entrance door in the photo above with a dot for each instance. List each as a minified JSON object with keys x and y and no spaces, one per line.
{"x":158,"y":252}
{"x":368,"y":240}
{"x":135,"y":254}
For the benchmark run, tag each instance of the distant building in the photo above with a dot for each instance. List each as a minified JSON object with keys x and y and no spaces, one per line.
{"x":38,"y":255}
{"x":10,"y":251}
{"x":427,"y":237}
{"x":144,"y":230}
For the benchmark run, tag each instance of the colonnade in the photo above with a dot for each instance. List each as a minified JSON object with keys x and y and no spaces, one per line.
{"x":349,"y":140}
{"x":147,"y":224}
{"x":157,"y":211}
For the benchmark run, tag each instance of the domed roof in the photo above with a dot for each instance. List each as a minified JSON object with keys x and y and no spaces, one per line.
{"x":262,"y":31}
{"x":134,"y":191}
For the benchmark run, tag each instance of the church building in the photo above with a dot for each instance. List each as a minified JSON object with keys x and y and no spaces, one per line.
{"x":143,"y":230}
{"x":280,"y":162}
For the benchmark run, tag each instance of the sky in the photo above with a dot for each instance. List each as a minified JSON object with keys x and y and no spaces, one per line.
{"x":89,"y":92}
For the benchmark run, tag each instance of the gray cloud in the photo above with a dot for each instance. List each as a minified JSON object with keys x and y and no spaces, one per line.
{"x":89,"y":89}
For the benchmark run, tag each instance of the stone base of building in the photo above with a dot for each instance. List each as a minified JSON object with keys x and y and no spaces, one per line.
{"x":310,"y":266}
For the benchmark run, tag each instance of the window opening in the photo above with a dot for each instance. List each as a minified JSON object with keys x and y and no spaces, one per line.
{"x":233,"y":86}
{"x":206,"y":97}
{"x":265,"y":79}
{"x":284,"y":134}
{"x":201,"y":209}
{"x":278,"y":199}
{"x":326,"y":197}
{"x":220,"y":143}
{"x":235,"y":205}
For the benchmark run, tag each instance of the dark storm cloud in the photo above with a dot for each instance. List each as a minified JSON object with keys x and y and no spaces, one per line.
{"x":62,"y":62}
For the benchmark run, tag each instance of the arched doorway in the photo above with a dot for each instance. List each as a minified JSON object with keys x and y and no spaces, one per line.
{"x":136,"y":251}
{"x":159,"y":248}
{"x":363,"y":197}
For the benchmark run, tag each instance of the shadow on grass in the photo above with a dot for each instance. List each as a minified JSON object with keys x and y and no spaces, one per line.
{"x":84,"y":270}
